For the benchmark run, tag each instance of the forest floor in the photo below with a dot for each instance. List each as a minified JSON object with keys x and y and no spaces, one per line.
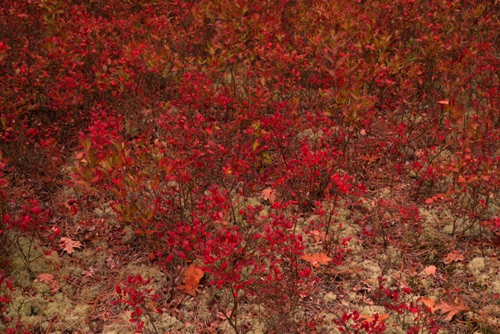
{"x":454,"y":277}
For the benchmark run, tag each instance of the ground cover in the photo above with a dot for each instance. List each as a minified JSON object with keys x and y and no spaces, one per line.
{"x":249,"y":167}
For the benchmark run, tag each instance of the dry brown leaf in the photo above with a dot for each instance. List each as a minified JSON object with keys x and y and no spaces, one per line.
{"x":430,"y":270}
{"x":316,"y":259}
{"x":269,"y":194}
{"x":452,"y":309}
{"x":50,"y":281}
{"x":69,"y":245}
{"x":454,"y":256}
{"x":44,"y":278}
{"x":192,"y":277}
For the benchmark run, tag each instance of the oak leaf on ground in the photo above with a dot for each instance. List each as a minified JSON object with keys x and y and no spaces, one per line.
{"x":69,"y":245}
{"x":192,"y":277}
{"x":317,"y":259}
{"x":452,"y":309}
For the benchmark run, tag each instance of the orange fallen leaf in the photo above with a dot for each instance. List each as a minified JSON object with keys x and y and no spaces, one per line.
{"x":430,"y":303}
{"x":192,"y":277}
{"x":316,"y":259}
{"x":454,"y":256}
{"x":370,"y":319}
{"x":269,"y":194}
{"x":319,"y":236}
{"x":430,"y":270}
{"x":452,"y":309}
{"x":444,"y":102}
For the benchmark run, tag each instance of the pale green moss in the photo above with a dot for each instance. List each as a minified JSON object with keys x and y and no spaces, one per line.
{"x":257,"y":328}
{"x":433,"y":233}
{"x":427,"y":283}
{"x":390,"y":257}
{"x":199,"y":308}
{"x":493,"y":206}
{"x":105,"y":211}
{"x":54,"y":259}
{"x":120,"y":326}
{"x":42,"y":289}
{"x":477,"y":264}
{"x":166,"y":323}
{"x":158,"y":277}
{"x":479,"y":270}
{"x":27,"y":306}
{"x":225,"y":328}
{"x":330,"y":298}
{"x":128,"y":235}
{"x":251,"y":201}
{"x":37,"y":312}
{"x":71,"y":271}
{"x":27,"y":262}
{"x":328,"y":324}
{"x":253,"y":317}
{"x":90,"y":292}
{"x":495,"y":285}
{"x":370,"y":310}
{"x":72,"y":316}
{"x":92,"y":257}
{"x":372,"y":272}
